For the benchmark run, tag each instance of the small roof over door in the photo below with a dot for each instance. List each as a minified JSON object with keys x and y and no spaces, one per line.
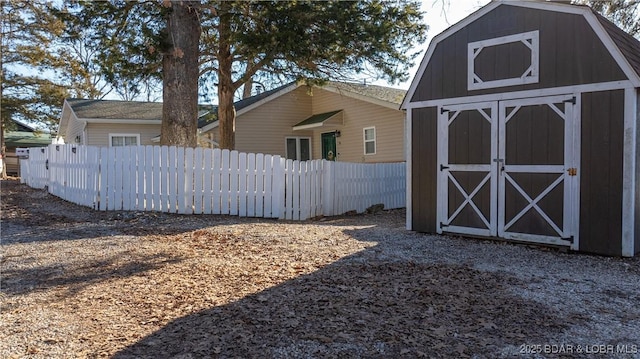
{"x":320,"y":120}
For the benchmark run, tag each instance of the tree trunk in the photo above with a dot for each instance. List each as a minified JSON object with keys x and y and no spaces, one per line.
{"x":180,"y":76}
{"x":246,"y":90}
{"x":3,"y":163}
{"x":226,"y":109}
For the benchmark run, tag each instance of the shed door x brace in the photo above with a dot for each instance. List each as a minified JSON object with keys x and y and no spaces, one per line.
{"x":509,"y":169}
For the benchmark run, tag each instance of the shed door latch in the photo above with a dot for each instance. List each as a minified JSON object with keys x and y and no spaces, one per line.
{"x":572,"y":171}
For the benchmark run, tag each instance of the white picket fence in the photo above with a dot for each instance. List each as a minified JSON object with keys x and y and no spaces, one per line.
{"x":205,"y":181}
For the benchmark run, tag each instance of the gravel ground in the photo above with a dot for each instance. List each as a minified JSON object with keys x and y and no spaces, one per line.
{"x":86,"y":284}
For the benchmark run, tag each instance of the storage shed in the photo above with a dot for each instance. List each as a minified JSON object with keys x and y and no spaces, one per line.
{"x":522,"y":125}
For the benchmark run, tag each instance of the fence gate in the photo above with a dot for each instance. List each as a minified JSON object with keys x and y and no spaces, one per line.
{"x":509,"y":169}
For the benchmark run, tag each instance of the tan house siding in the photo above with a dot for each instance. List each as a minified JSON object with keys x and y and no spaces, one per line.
{"x":98,"y":133}
{"x":74,"y":129}
{"x":264,"y":128}
{"x":358,"y":115}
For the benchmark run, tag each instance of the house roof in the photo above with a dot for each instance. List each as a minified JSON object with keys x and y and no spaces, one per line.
{"x":26,"y":139}
{"x":239,"y":105}
{"x":380,"y":95}
{"x":317,"y":120}
{"x":20,"y":126}
{"x":383,"y":93}
{"x":116,"y":110}
{"x":623,"y":47}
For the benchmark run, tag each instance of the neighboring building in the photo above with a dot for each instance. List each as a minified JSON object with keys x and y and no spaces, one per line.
{"x":22,"y":136}
{"x":347,"y":122}
{"x":341,"y":121}
{"x":523,"y":124}
{"x":116,"y":123}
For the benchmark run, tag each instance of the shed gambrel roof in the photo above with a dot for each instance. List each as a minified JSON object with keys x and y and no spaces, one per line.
{"x":624,"y":48}
{"x":628,"y":45}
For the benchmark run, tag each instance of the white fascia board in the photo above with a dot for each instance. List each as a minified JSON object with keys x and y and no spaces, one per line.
{"x":121,"y":121}
{"x":306,"y":127}
{"x":569,"y":9}
{"x":597,"y":27}
{"x":210,"y":126}
{"x":438,"y":39}
{"x":409,"y":173}
{"x":65,"y":117}
{"x":629,"y":172}
{"x":604,"y":86}
{"x":622,"y":61}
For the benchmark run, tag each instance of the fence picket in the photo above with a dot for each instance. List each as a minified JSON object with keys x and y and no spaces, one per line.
{"x":269,"y":191}
{"x":198,"y":167}
{"x":216,"y":187}
{"x":138,"y":186}
{"x":242,"y":184}
{"x":233,"y":182}
{"x":251,"y":185}
{"x":225,"y":189}
{"x":207,"y":174}
{"x":259,"y":186}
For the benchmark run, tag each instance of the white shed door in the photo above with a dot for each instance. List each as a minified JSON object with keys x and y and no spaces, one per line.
{"x":509,"y":169}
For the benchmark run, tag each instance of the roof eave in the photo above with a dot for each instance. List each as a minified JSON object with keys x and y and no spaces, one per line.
{"x":121,"y":121}
{"x":269,"y":98}
{"x":357,"y":96}
{"x":210,"y":126}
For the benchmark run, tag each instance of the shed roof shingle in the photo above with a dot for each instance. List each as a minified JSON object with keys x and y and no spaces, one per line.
{"x":629,"y":46}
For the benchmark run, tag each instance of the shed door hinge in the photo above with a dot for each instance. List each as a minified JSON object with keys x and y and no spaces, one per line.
{"x":572,"y":100}
{"x":442,"y":225}
{"x":568,"y":239}
{"x":443,"y":167}
{"x":443,"y":110}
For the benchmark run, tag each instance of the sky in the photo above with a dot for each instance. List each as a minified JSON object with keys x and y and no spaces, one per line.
{"x":438,"y":17}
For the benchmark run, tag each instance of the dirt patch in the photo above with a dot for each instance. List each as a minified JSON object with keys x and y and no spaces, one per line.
{"x":82,"y":283}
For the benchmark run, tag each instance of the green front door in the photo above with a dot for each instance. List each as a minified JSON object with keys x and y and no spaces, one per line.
{"x":329,"y":146}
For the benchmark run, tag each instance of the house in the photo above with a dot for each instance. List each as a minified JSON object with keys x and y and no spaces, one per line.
{"x":522,"y":124}
{"x":22,"y":135}
{"x":341,"y":121}
{"x":348,"y":122}
{"x":115,"y":123}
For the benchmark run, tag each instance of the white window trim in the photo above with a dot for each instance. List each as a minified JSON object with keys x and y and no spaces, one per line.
{"x":364,"y":139}
{"x":530,"y":39}
{"x":297,"y":138}
{"x":112,"y":135}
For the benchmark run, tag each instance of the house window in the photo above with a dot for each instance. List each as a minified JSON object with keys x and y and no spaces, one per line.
{"x":370,"y":141}
{"x":124,"y":139}
{"x":298,"y":148}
